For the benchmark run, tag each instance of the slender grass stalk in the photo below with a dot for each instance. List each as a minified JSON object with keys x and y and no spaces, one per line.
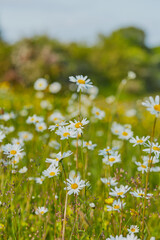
{"x":147,"y":176}
{"x":80,"y":105}
{"x":113,"y":111}
{"x":121,"y":217}
{"x":64,"y":219}
{"x":77,"y":154}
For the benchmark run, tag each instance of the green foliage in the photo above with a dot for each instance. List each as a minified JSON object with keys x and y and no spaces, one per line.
{"x":107,"y":62}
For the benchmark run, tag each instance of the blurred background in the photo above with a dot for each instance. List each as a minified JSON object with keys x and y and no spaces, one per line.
{"x":101,"y":39}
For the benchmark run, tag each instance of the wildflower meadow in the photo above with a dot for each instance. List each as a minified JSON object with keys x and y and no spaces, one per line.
{"x":79,"y":165}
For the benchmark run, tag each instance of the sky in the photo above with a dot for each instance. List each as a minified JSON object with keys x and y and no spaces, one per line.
{"x":78,"y":20}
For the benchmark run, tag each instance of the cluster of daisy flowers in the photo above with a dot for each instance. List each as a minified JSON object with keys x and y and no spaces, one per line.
{"x":66,"y":132}
{"x":123,"y":132}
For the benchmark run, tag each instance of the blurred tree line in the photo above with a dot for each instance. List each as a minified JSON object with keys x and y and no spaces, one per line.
{"x":106,"y":63}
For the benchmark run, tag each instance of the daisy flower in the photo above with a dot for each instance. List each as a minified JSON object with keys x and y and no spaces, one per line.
{"x":116,"y":128}
{"x":23,"y":170}
{"x":7,"y":116}
{"x":40,"y":84}
{"x":154,"y":160}
{"x":56,"y":117}
{"x":119,"y":192}
{"x":54,"y":144}
{"x":153,"y":105}
{"x":40,"y":180}
{"x":25,"y":136}
{"x":133,"y":229}
{"x":2,"y":136}
{"x":51,"y":171}
{"x":14,"y":161}
{"x":34,"y":119}
{"x":106,"y":151}
{"x":92,"y":205}
{"x":55,"y":87}
{"x":153,"y":148}
{"x":66,"y":132}
{"x":132,"y":237}
{"x":17,"y":141}
{"x":40,"y":127}
{"x":117,"y":206}
{"x":98,"y":113}
{"x":111,"y":159}
{"x":138,"y":141}
{"x":45,"y":104}
{"x":57,"y":125}
{"x":155,"y":169}
{"x":81,"y":81}
{"x":131,"y":75}
{"x":142,"y":167}
{"x":116,"y":237}
{"x":140,"y":194}
{"x":59,"y":156}
{"x":109,"y":181}
{"x":89,"y":145}
{"x":125,"y":134}
{"x":93,"y":92}
{"x":12,"y":150}
{"x":78,"y":125}
{"x":41,"y":210}
{"x":74,"y":185}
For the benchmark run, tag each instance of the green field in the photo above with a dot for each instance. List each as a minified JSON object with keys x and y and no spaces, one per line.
{"x":86,"y":215}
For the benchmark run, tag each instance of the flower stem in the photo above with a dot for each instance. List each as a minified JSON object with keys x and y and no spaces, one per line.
{"x":147,"y":176}
{"x":64,"y":219}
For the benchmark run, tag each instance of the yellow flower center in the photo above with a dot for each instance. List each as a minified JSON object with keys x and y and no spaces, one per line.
{"x":52,"y":173}
{"x":156,"y":148}
{"x":133,"y":229}
{"x":57,"y":159}
{"x":13,"y":152}
{"x":107,"y":150}
{"x":143,"y":166}
{"x":120,"y":193}
{"x":108,"y":183}
{"x":116,"y":131}
{"x":97,"y":113}
{"x":112,"y":159}
{"x":74,"y":186}
{"x":32,"y":119}
{"x":157,"y":107}
{"x":57,"y":125}
{"x":81,"y":81}
{"x":88,"y":144}
{"x":78,"y":125}
{"x":14,"y":162}
{"x":66,"y":134}
{"x":42,"y":212}
{"x":124,"y":133}
{"x":40,"y":84}
{"x":55,"y":119}
{"x":140,"y":141}
{"x":40,"y":127}
{"x":25,"y":136}
{"x":116,"y":207}
{"x":141,"y":194}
